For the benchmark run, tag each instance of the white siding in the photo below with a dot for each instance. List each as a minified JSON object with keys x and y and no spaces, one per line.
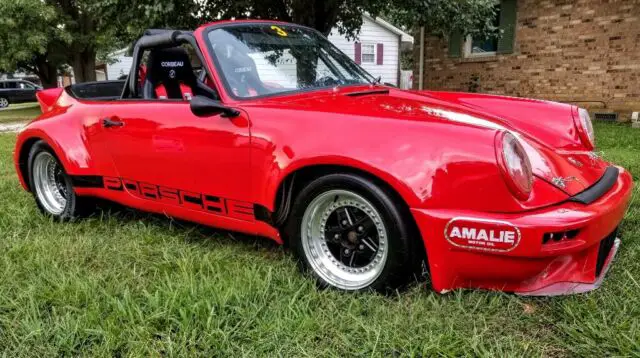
{"x":120,"y":67}
{"x":373,"y":33}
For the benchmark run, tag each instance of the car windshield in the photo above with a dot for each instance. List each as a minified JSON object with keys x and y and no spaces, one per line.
{"x":265,"y":59}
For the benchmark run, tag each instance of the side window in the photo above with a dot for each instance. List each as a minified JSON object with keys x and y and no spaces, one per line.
{"x":1,"y":85}
{"x":11,"y":84}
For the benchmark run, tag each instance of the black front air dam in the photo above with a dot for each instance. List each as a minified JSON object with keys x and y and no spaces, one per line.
{"x":598,"y":189}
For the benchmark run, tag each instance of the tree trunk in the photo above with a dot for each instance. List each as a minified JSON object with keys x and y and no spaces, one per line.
{"x":84,"y":65}
{"x":47,"y":72}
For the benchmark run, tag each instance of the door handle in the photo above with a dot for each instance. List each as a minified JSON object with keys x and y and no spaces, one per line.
{"x":110,"y":122}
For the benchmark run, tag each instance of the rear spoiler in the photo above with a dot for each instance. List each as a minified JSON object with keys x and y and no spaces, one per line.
{"x":47,"y":98}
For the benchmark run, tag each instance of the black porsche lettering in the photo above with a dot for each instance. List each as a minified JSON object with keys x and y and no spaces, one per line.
{"x":169,"y":195}
{"x":131,"y":186}
{"x":240,"y":210}
{"x":194,"y":201}
{"x":149,"y":191}
{"x":191,"y":200}
{"x":214,"y":203}
{"x":112,"y":183}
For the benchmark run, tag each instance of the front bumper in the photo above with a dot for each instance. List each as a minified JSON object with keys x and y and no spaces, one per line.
{"x":534,"y":264}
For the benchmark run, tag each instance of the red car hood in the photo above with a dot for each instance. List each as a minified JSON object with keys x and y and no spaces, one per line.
{"x":547,"y":128}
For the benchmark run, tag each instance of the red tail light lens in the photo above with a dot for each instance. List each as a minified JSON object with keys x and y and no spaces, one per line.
{"x":515,"y":165}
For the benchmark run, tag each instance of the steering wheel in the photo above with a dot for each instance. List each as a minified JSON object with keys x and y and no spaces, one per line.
{"x":326,"y":81}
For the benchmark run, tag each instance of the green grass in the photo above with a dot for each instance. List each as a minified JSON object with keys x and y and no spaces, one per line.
{"x":130,"y":284}
{"x":19,"y":112}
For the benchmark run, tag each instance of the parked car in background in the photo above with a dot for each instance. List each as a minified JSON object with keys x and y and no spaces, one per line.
{"x":17,"y":91}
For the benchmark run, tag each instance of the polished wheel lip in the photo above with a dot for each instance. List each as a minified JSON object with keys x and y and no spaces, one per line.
{"x":47,"y":183}
{"x":314,"y":244}
{"x":4,"y":103}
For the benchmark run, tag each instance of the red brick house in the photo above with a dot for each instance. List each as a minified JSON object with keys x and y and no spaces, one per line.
{"x":584,"y":51}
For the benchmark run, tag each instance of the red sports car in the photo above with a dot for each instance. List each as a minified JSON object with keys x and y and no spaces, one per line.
{"x":266,"y":128}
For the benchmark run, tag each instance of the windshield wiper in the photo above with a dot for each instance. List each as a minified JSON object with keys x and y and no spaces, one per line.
{"x":377,"y":81}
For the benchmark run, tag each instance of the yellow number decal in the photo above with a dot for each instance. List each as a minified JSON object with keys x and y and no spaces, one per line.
{"x":279,"y":31}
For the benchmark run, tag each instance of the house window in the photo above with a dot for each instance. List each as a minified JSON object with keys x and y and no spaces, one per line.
{"x":504,"y":20}
{"x":475,"y":46}
{"x":368,"y":53}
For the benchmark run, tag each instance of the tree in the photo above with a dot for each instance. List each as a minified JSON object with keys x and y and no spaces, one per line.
{"x":443,"y":17}
{"x":41,"y":35}
{"x":438,"y":16}
{"x":31,"y":40}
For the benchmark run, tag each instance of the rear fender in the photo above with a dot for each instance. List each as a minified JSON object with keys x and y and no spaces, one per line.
{"x":64,"y":129}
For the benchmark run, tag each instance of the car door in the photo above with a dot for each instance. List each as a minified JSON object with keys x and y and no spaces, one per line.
{"x":11,"y":91}
{"x":26,"y":91}
{"x":163,"y":152}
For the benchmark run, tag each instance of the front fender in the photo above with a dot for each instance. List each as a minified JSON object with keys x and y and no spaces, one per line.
{"x":430,"y":165}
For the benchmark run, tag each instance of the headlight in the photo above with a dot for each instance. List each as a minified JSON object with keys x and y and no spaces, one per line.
{"x":515,"y":165}
{"x":585,"y":129}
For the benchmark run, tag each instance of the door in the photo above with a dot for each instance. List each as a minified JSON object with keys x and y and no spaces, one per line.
{"x":163,"y":152}
{"x":26,"y":91}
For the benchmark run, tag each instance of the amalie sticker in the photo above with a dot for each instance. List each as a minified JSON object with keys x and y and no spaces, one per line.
{"x":482,"y":234}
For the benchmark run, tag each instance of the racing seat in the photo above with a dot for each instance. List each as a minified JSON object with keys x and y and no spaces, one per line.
{"x":169,"y":75}
{"x":242,"y":74}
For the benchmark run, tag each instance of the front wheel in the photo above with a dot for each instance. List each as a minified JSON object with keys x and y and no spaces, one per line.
{"x":349,"y":234}
{"x":4,"y":102}
{"x":51,"y":186}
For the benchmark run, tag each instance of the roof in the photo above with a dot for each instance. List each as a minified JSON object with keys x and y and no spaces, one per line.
{"x":404,"y":36}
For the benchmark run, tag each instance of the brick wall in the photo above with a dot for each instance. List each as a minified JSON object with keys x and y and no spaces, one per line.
{"x":569,"y":51}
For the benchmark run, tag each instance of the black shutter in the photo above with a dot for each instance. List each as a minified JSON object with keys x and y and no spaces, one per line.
{"x":508,"y":18}
{"x":455,"y":44}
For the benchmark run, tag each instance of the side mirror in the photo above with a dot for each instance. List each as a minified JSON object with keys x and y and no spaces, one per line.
{"x":203,"y":106}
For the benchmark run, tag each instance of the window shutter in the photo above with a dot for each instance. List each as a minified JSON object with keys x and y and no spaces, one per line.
{"x":508,"y":13}
{"x":358,"y":52}
{"x":455,"y":44}
{"x":380,"y":54}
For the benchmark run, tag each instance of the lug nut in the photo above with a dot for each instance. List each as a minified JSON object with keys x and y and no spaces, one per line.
{"x":360,"y":228}
{"x":337,"y":236}
{"x":361,"y":247}
{"x":346,"y":251}
{"x":344,"y":222}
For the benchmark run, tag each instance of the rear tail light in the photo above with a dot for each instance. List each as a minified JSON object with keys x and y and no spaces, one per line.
{"x":515,"y":165}
{"x":585,"y":129}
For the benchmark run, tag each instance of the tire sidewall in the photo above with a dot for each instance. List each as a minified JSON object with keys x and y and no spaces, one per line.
{"x":395,"y":271}
{"x":70,"y":208}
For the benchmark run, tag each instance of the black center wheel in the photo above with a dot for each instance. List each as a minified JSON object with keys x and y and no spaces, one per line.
{"x":349,"y":234}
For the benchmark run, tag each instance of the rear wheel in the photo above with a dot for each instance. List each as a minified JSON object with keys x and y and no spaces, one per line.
{"x":4,"y":102}
{"x":348,"y":233}
{"x":51,"y":186}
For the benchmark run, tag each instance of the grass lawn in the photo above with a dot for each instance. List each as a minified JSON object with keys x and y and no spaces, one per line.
{"x":130,"y":284}
{"x":19,"y":112}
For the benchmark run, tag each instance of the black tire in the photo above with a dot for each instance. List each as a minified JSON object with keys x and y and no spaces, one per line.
{"x":4,"y":102}
{"x":402,"y":255}
{"x":75,"y":206}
